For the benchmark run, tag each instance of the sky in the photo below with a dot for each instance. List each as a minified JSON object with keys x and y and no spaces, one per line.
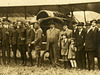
{"x":90,"y":15}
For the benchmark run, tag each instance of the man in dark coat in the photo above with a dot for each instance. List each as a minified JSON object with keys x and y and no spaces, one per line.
{"x":14,"y":38}
{"x":98,"y":42}
{"x":90,"y":46}
{"x":0,"y":38}
{"x":30,"y":35}
{"x":5,"y":43}
{"x":80,"y":41}
{"x":21,"y":43}
{"x":37,"y":42}
{"x":95,"y":30}
{"x":0,"y":35}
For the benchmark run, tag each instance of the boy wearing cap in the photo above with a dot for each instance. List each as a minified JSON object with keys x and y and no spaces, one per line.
{"x":68,"y":33}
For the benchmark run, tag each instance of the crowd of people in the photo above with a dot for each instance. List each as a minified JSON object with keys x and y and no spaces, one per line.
{"x":87,"y":44}
{"x":77,"y":47}
{"x":18,"y":36}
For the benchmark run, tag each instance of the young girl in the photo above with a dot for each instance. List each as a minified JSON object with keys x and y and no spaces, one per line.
{"x":71,"y":53}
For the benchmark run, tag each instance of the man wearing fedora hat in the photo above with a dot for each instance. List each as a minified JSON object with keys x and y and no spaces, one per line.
{"x":98,"y":42}
{"x":95,"y":29}
{"x":79,"y":42}
{"x":52,"y":42}
{"x":90,"y":44}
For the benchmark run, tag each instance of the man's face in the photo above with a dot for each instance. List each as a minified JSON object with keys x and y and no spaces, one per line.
{"x":52,"y":25}
{"x":65,"y":27}
{"x":98,"y":25}
{"x":19,"y":23}
{"x":74,"y":25}
{"x":18,"y":27}
{"x":27,"y":24}
{"x":72,"y":41}
{"x":10,"y":26}
{"x":5,"y":26}
{"x":64,"y":37}
{"x":88,"y":27}
{"x":93,"y":23}
{"x":79,"y":27}
{"x":31,"y":26}
{"x":36,"y":25}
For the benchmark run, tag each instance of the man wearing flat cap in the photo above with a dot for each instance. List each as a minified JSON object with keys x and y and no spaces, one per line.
{"x":79,"y":43}
{"x":52,"y":42}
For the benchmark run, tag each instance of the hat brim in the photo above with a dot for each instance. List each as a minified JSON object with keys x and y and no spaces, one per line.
{"x":46,"y":21}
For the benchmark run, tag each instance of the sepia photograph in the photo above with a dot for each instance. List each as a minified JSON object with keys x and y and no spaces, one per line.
{"x":49,"y":37}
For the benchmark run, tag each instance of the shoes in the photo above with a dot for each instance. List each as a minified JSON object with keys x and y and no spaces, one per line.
{"x":31,"y":64}
{"x":24,"y":64}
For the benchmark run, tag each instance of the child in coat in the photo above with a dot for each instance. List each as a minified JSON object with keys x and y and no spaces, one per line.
{"x":64,"y":46}
{"x":71,"y":53}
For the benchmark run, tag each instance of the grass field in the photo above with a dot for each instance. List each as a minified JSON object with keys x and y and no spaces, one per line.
{"x":19,"y":70}
{"x":46,"y":69}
